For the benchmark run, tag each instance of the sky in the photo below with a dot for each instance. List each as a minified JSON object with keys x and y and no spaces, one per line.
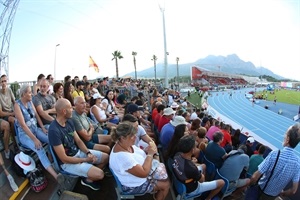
{"x":264,"y":32}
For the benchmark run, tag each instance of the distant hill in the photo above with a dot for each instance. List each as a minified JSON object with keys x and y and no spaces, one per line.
{"x":229,"y":64}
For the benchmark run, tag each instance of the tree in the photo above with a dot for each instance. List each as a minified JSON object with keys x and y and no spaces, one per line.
{"x":134,"y":63}
{"x":177,"y":60}
{"x":117,"y":55}
{"x":154,"y":58}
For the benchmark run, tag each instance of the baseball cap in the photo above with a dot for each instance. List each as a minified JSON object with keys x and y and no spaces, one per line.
{"x":250,"y":140}
{"x":131,"y":108}
{"x":97,"y":96}
{"x":168,"y":111}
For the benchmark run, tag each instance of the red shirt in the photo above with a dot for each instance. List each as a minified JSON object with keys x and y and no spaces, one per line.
{"x":156,"y":120}
{"x":163,"y":120}
{"x":154,"y":113}
{"x":227,"y":138}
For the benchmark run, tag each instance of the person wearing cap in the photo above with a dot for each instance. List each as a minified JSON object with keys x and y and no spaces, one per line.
{"x":97,"y":112}
{"x":174,"y":106}
{"x":135,"y":111}
{"x":44,"y":103}
{"x":109,"y":105}
{"x":168,"y":114}
{"x":167,"y":131}
{"x":189,"y":173}
{"x":78,"y":90}
{"x":72,"y":154}
{"x":286,"y":170}
{"x":91,"y":134}
{"x":235,"y":163}
{"x":249,"y":144}
{"x":10,"y":179}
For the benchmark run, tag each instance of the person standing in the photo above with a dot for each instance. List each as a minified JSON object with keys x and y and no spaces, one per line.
{"x":285,"y":171}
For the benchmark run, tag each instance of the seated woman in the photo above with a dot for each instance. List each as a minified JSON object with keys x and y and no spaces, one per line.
{"x":97,"y":112}
{"x":36,"y":87}
{"x":110,"y":107}
{"x":29,"y":134}
{"x":131,"y":164}
{"x":201,"y":139}
{"x":58,"y":91}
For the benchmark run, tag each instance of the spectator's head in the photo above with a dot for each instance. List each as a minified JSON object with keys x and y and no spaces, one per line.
{"x":80,"y":85}
{"x":178,"y":120}
{"x":133,"y":109}
{"x":250,"y":141}
{"x":243,"y":148}
{"x":63,"y":108}
{"x":44,"y":86}
{"x":186,"y":144}
{"x":160,"y":108}
{"x":134,"y":99}
{"x":195,"y":124}
{"x":58,"y":88}
{"x":131,"y":118}
{"x":125,"y":132}
{"x":201,"y":132}
{"x":261,"y":149}
{"x":218,"y":137}
{"x":96,"y":99}
{"x":80,"y":105}
{"x":292,"y":136}
{"x":40,"y":77}
{"x":169,"y":113}
{"x":67,"y":79}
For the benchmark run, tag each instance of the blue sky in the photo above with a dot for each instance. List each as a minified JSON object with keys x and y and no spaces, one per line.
{"x":264,"y":32}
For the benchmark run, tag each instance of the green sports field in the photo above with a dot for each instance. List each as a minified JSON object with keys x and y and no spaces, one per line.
{"x":283,"y":95}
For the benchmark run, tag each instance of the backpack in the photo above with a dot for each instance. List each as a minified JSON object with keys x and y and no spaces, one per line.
{"x":37,"y":180}
{"x":15,"y":167}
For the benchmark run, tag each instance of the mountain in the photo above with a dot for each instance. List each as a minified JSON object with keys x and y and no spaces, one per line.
{"x":230,"y":64}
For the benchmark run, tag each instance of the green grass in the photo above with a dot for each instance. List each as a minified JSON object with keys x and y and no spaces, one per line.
{"x":195,"y":99}
{"x":284,"y":96}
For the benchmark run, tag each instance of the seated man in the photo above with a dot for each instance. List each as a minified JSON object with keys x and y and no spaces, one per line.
{"x":44,"y":103}
{"x":91,"y":134}
{"x":235,"y":163}
{"x":189,"y":173}
{"x":72,"y":155}
{"x":7,"y":100}
{"x":141,"y":133}
{"x":214,"y":152}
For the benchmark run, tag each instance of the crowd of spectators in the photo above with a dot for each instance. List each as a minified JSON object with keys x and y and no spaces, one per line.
{"x":120,"y":124}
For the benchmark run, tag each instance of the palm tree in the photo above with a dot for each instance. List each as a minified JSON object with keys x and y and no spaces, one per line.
{"x":117,"y":55}
{"x":134,"y":63}
{"x":154,"y":58}
{"x":177,"y":59}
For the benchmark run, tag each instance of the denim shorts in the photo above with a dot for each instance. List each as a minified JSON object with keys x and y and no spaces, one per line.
{"x":81,"y":169}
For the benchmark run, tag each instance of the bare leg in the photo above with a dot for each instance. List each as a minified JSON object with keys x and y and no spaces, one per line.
{"x":162,"y":188}
{"x":220,"y":184}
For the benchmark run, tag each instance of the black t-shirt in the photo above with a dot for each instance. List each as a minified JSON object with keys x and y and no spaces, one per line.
{"x":58,"y":135}
{"x":185,"y":170}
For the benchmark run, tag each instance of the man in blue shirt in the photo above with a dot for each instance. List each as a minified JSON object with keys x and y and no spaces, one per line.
{"x":286,"y":169}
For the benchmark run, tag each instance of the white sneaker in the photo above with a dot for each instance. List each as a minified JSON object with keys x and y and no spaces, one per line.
{"x":7,"y":154}
{"x":12,"y":183}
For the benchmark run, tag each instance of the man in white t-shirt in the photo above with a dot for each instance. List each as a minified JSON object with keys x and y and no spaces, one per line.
{"x":141,"y":133}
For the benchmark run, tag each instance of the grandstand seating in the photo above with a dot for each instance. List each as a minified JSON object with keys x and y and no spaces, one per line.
{"x":179,"y":186}
{"x":120,"y":193}
{"x":225,"y":190}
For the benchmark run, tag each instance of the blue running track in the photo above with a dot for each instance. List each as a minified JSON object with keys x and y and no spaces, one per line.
{"x":266,"y":126}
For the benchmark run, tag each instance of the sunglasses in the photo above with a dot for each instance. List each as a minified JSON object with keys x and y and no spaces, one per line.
{"x":3,"y":81}
{"x":30,"y":113}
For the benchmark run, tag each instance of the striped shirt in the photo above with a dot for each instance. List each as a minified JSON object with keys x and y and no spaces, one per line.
{"x":286,"y":170}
